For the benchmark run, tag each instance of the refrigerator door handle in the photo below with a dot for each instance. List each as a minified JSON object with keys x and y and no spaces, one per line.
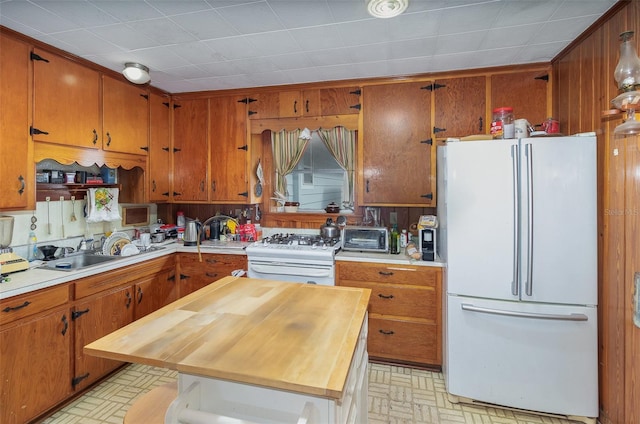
{"x":531,"y":315}
{"x":529,"y":282}
{"x":515,"y":284}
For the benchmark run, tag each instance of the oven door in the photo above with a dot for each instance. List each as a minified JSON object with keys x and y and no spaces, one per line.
{"x":310,"y":273}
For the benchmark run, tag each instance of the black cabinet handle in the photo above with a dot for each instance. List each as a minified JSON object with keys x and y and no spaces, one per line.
{"x":307,"y":105}
{"x":211,"y":261}
{"x":22,"y":185}
{"x":211,"y":274}
{"x":108,"y":139}
{"x":367,"y":186}
{"x":295,"y":106}
{"x":128,"y":296}
{"x":140,"y":293}
{"x":386,"y":333}
{"x":95,"y":137}
{"x":480,"y":124}
{"x":66,"y":325}
{"x":385,"y":273}
{"x":153,"y":185}
{"x":383,"y":296}
{"x":76,"y":314}
{"x":15,"y":308}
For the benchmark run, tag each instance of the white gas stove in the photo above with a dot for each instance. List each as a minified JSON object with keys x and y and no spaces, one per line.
{"x":299,"y":258}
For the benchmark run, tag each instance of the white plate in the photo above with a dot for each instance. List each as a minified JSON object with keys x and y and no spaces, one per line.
{"x":116,"y":236}
{"x":129,"y":250}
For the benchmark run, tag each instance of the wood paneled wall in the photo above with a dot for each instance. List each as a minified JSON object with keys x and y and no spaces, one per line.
{"x":585,"y":88}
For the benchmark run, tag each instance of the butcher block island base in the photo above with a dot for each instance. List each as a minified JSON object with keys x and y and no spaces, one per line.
{"x":257,"y":351}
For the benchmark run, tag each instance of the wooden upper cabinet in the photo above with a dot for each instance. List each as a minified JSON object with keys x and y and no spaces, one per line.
{"x":397,"y":151}
{"x":526,"y":92}
{"x":191,"y":150}
{"x":311,"y":102}
{"x":460,"y":106}
{"x":229,"y":149}
{"x":159,"y":148}
{"x":125,"y":117}
{"x":16,"y":167}
{"x":66,"y":105}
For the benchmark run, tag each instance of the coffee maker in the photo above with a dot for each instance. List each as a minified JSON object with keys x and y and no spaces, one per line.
{"x":427,"y":244}
{"x":9,"y":261}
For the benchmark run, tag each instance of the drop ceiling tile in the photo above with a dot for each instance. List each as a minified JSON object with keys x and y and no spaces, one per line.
{"x":331,"y":56}
{"x":81,"y":13}
{"x":196,"y":53}
{"x":127,"y":11}
{"x":205,"y":25}
{"x":157,"y":58}
{"x":251,"y":18}
{"x":414,"y":48}
{"x":123,"y":36}
{"x":525,"y":12}
{"x":292,"y":61}
{"x":185,"y":72}
{"x":469,"y":18}
{"x":297,"y":14}
{"x":539,"y":52}
{"x":365,"y":32}
{"x":273,"y":43}
{"x":509,"y":37}
{"x":252,"y":65}
{"x":85,"y":42}
{"x":233,"y":47}
{"x":220,"y":69}
{"x":269,"y":78}
{"x":415,"y":25}
{"x":563,"y":30}
{"x":169,"y":8}
{"x":33,"y":16}
{"x":349,"y":10}
{"x":163,"y":31}
{"x":592,"y":8}
{"x":459,"y":43}
{"x":414,"y":65}
{"x":318,"y":38}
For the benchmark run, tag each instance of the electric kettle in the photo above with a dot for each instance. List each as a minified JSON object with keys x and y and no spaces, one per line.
{"x":191,"y":233}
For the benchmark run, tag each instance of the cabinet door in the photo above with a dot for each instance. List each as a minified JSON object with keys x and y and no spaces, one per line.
{"x":527,"y":92}
{"x":331,"y":101}
{"x":16,"y":167}
{"x":154,"y":292}
{"x":93,"y":319}
{"x":191,"y":150}
{"x":194,"y":275}
{"x":460,"y":107}
{"x":125,"y":117}
{"x":263,"y":105}
{"x":397,"y":150}
{"x":35,"y":366}
{"x":228,"y":163}
{"x":159,"y":148}
{"x":66,"y":105}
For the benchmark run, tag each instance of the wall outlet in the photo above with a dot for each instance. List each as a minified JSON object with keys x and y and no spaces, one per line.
{"x":393,"y":218}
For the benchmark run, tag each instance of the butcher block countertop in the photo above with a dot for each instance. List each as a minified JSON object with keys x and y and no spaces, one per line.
{"x":295,"y":337}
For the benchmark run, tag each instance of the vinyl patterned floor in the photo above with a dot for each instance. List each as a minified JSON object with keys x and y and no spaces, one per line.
{"x":397,"y":395}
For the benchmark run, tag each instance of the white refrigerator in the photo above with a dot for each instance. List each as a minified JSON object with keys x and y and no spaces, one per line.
{"x":518,"y":233}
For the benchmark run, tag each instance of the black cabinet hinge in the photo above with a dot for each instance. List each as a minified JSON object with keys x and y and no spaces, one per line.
{"x":166,"y":149}
{"x":34,"y":56}
{"x":356,"y":92}
{"x":175,"y":106}
{"x":436,"y":130}
{"x":75,"y":381}
{"x":244,"y":194}
{"x":184,"y":277}
{"x":175,"y":149}
{"x":171,"y":278}
{"x":247,"y":100}
{"x":428,"y":141}
{"x":146,"y":96}
{"x":358,"y":106}
{"x":433,"y":86}
{"x":250,"y":100}
{"x":34,"y":131}
{"x":166,"y":193}
{"x":245,"y":148}
{"x":427,"y":196}
{"x":166,"y":104}
{"x":146,"y":149}
{"x":543,"y":77}
{"x":77,"y":314}
{"x":251,"y":112}
{"x":175,"y":193}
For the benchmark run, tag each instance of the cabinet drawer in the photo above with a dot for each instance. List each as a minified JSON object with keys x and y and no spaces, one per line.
{"x":213,"y":266}
{"x":406,"y":301}
{"x":387,"y":273}
{"x":17,"y":307}
{"x":401,"y":340}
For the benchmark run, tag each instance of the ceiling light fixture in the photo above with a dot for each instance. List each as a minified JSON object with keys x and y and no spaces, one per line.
{"x":386,"y":8}
{"x":136,"y":73}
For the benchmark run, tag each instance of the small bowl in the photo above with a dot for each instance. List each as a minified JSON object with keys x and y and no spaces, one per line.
{"x":291,"y":206}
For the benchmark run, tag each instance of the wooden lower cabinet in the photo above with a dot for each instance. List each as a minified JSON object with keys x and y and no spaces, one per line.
{"x":405,"y":310}
{"x":35,"y":354}
{"x":93,"y":319}
{"x":194,"y":275}
{"x":155,"y":291}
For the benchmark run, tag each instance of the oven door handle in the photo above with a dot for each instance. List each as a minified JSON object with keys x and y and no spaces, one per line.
{"x":283,"y":269}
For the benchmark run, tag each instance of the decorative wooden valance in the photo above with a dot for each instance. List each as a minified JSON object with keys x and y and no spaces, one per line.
{"x":67,"y":155}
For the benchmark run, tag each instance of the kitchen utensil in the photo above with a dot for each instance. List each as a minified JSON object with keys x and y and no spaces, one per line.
{"x":62,"y":214}
{"x":73,"y":209}
{"x":329,"y":230}
{"x":158,"y":237}
{"x":48,"y":200}
{"x":48,"y":251}
{"x":332,"y":208}
{"x":260,"y":175}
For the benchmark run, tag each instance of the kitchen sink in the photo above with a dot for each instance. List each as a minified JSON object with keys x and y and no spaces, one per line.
{"x":77,"y":261}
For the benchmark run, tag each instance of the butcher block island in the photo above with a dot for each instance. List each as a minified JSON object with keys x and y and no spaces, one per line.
{"x":256,"y":350}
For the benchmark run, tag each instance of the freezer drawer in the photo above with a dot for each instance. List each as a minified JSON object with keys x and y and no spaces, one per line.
{"x":523,"y":355}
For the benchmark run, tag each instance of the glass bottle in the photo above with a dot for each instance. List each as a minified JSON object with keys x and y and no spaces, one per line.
{"x":627,"y":72}
{"x":393,"y":241}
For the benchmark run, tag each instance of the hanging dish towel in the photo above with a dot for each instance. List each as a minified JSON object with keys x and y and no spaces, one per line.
{"x":103,"y":205}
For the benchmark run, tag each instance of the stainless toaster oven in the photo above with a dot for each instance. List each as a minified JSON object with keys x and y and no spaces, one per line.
{"x":365,"y":239}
